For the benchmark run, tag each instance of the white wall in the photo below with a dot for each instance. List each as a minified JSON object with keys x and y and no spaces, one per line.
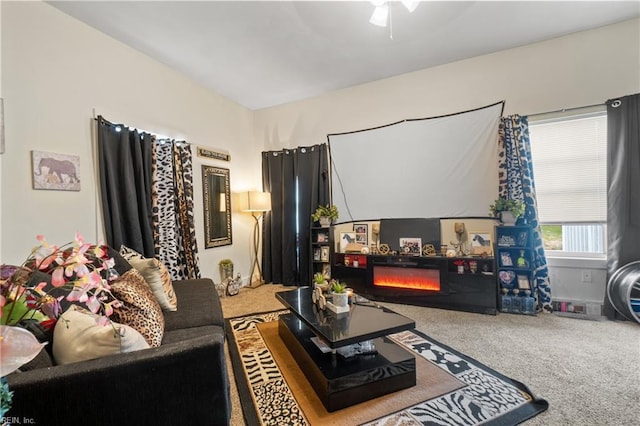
{"x":576,"y":70}
{"x":1,"y":156}
{"x":55,"y":71}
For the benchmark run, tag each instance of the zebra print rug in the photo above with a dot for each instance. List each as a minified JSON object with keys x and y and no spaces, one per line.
{"x":487,"y":396}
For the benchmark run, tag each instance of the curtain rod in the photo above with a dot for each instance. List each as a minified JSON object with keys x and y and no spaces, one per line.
{"x":161,"y":137}
{"x":565,"y":110}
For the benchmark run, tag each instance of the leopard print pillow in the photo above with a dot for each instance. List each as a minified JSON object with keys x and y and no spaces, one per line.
{"x":156,"y":275}
{"x":140,"y":309}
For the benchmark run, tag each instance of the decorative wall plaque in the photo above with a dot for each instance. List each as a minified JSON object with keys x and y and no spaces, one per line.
{"x":207,"y":153}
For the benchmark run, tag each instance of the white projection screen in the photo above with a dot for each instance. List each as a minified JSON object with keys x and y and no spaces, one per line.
{"x":442,"y":166}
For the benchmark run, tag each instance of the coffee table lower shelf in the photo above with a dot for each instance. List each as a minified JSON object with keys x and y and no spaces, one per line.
{"x":341,"y":382}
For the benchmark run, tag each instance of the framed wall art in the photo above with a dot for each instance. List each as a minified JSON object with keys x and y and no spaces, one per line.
{"x":60,"y":172}
{"x":480,"y":243}
{"x":346,"y":238}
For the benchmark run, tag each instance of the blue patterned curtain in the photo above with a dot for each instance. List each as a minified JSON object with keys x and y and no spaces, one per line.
{"x":515,"y":173}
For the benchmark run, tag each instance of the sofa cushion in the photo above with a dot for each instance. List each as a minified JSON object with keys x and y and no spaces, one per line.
{"x":42,"y":360}
{"x":198,"y":305}
{"x":77,"y":337}
{"x":121,"y":265}
{"x":139,"y":309}
{"x":157,"y":276}
{"x":184,"y":334}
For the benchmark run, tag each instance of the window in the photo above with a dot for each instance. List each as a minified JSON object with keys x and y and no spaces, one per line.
{"x":569,"y":165}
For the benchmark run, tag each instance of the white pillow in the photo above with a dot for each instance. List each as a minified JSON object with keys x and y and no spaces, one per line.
{"x":156,"y":275}
{"x":77,"y":337}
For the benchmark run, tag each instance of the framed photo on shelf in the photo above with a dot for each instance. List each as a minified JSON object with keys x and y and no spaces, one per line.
{"x":480,"y":243}
{"x":362,"y":233}
{"x":322,"y":237}
{"x":505,"y":259}
{"x":522,"y":238}
{"x":345,"y":239}
{"x":507,"y":279}
{"x":326,"y":270}
{"x":360,"y":228}
{"x":324,"y":254}
{"x":523,"y":282}
{"x":316,"y":253}
{"x":411,"y":246}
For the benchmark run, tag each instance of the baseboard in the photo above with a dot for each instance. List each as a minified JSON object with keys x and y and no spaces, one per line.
{"x":592,"y":311}
{"x":256,"y":284}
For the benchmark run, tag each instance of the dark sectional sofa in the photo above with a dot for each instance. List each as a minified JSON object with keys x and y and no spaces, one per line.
{"x":182,"y":382}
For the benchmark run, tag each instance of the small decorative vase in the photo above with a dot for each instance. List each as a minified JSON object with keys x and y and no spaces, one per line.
{"x":350,"y":295}
{"x":507,"y":218}
{"x":340,"y":299}
{"x":17,"y":347}
{"x":325,"y":221}
{"x":522,"y":261}
{"x":226,"y":271}
{"x":461,"y":269}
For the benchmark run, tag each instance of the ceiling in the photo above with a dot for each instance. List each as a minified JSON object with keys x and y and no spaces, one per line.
{"x":265,"y":53}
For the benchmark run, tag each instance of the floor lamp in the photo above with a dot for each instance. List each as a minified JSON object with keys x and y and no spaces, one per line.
{"x":256,"y":203}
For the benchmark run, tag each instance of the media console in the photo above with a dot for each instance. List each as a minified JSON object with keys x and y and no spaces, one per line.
{"x":457,"y":283}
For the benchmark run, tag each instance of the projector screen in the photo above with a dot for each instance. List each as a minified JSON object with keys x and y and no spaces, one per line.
{"x":443,"y":166}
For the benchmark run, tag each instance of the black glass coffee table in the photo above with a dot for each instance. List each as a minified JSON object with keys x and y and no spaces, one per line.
{"x":315,"y":338}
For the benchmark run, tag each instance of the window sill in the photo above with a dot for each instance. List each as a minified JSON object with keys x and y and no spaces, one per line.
{"x":577,"y":262}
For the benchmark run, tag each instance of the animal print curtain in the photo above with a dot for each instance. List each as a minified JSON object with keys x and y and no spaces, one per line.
{"x":174,"y":226}
{"x":147,"y":196}
{"x":515,"y":173}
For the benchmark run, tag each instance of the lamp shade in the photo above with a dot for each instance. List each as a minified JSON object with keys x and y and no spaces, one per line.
{"x":256,"y":201}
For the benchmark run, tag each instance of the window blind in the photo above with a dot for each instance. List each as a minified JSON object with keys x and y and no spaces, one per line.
{"x":569,"y":166}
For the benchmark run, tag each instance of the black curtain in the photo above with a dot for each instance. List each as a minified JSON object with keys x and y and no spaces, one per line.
{"x":125,"y":167}
{"x":286,"y":250}
{"x":623,"y":181}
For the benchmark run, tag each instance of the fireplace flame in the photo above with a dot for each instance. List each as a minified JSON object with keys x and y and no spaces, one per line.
{"x":412,"y":279}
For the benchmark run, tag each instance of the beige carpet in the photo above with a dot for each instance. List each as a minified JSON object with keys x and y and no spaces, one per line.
{"x":588,"y":371}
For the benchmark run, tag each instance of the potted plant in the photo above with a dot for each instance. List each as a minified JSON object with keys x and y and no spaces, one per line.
{"x":340,"y":296}
{"x":325,"y":214}
{"x":507,"y":210}
{"x":319,"y":280}
{"x":226,"y":269}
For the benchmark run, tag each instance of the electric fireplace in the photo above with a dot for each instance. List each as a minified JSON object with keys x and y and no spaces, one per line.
{"x":429,"y":280}
{"x":406,"y":278}
{"x":406,"y":274}
{"x":432,"y":281}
